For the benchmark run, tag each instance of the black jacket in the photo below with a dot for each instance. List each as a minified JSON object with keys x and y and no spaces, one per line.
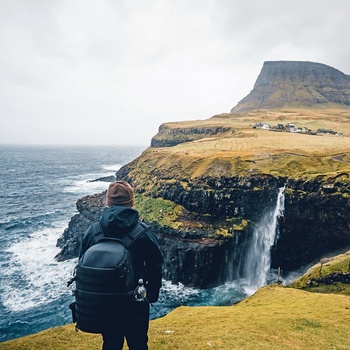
{"x":116,"y":222}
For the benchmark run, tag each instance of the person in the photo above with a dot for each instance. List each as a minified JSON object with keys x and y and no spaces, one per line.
{"x":117,"y":219}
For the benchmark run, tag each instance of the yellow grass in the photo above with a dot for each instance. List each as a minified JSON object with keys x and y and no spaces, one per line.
{"x":273,"y":318}
{"x":244,"y":151}
{"x":244,"y":140}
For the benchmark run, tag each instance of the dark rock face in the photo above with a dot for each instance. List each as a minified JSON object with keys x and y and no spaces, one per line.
{"x":90,"y":209}
{"x":316,"y":221}
{"x":168,"y":137}
{"x":332,"y":278}
{"x":225,"y":197}
{"x":299,"y":84}
{"x":194,"y":262}
{"x":110,"y":178}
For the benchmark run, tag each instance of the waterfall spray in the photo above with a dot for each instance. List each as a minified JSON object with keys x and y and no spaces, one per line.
{"x":257,"y":261}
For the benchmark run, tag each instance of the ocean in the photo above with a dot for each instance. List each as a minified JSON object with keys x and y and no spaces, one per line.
{"x":39,"y":189}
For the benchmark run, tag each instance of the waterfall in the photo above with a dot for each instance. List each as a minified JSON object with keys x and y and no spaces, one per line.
{"x":257,"y":260}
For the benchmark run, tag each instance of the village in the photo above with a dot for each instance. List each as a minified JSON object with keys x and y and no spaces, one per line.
{"x":292,"y":128}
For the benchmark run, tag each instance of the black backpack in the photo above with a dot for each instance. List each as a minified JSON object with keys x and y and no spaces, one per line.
{"x":105,"y":281}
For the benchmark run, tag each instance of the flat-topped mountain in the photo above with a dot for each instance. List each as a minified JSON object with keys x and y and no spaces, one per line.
{"x":283,"y":84}
{"x":205,"y":185}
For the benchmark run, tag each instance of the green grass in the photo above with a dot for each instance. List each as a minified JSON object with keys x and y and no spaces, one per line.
{"x":164,"y":212}
{"x":327,"y":266}
{"x":274,"y":318}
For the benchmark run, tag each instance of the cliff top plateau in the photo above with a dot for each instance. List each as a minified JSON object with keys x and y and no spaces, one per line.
{"x":295,"y":143}
{"x":283,"y":84}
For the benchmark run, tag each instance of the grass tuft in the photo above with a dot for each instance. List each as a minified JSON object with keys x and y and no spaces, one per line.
{"x":164,"y":212}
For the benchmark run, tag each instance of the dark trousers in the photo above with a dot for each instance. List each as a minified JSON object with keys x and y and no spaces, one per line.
{"x":133,"y":327}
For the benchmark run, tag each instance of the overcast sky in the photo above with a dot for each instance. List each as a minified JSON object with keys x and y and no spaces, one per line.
{"x":112,"y":71}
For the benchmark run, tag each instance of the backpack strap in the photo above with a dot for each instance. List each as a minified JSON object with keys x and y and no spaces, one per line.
{"x":97,"y":231}
{"x":127,"y":240}
{"x":130,"y":238}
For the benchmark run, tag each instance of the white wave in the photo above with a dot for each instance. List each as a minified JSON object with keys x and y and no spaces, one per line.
{"x":32,"y":277}
{"x":178,"y":294}
{"x":17,"y":219}
{"x":84,"y":187}
{"x":179,"y":290}
{"x":84,"y":184}
{"x":113,"y":167}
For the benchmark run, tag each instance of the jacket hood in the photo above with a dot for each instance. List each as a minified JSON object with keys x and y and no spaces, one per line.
{"x":117,"y":220}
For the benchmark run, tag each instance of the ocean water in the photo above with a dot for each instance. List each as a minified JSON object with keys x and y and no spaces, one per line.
{"x":39,"y":187}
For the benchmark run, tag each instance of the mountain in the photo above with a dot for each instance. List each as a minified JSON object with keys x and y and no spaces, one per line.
{"x":285,"y":84}
{"x":205,"y":185}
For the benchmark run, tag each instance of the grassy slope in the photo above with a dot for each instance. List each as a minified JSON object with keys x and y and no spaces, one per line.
{"x":273,"y":318}
{"x":326,"y":266}
{"x":245,"y":150}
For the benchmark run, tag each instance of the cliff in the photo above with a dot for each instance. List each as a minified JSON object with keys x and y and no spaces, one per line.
{"x":283,"y":84}
{"x":204,"y":186}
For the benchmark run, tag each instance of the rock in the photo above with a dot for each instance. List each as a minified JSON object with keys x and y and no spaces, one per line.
{"x":284,"y":84}
{"x":315,"y":223}
{"x":168,"y":137}
{"x":334,"y":278}
{"x":90,"y":208}
{"x":110,"y":178}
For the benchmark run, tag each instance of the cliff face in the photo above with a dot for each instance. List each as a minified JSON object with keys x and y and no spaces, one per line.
{"x":205,"y":185}
{"x":89,"y":208}
{"x":315,"y":222}
{"x":168,"y":137}
{"x":297,"y":84}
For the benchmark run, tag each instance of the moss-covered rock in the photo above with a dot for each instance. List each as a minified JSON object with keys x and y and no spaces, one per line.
{"x":329,"y":275}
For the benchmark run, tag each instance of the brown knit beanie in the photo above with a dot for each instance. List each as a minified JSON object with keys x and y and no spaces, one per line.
{"x":120,"y":193}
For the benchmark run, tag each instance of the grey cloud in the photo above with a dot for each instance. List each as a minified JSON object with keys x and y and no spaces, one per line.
{"x":71,"y":69}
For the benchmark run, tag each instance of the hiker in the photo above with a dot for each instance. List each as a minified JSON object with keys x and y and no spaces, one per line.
{"x":117,"y":220}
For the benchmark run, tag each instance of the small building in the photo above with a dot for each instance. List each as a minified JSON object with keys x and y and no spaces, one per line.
{"x":266,"y":126}
{"x":290,"y":127}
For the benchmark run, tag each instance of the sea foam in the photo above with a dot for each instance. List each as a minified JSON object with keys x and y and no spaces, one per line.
{"x":114,"y":167}
{"x":42,"y":279}
{"x":83,"y":185}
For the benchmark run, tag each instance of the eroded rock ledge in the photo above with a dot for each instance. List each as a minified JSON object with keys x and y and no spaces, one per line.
{"x":168,"y":137}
